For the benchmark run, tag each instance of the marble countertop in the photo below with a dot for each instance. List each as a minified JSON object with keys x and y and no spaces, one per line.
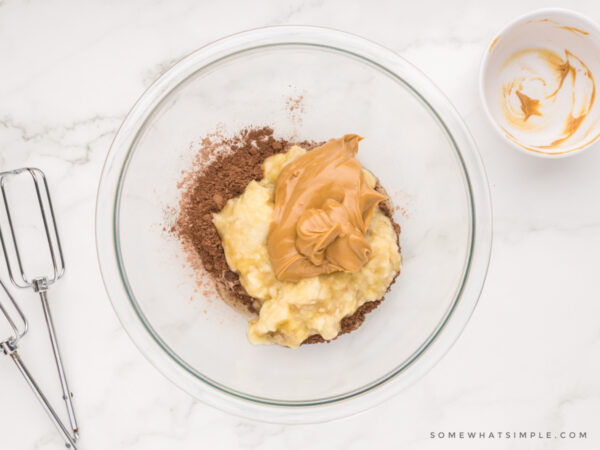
{"x":529,"y":360}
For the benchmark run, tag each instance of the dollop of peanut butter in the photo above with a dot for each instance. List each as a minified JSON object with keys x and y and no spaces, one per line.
{"x":323,"y":207}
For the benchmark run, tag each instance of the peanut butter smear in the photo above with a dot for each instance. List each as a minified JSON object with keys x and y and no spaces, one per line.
{"x":529,"y":106}
{"x":547,"y":95}
{"x":323,"y":207}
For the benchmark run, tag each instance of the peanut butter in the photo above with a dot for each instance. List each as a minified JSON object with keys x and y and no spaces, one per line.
{"x":323,"y":206}
{"x":529,"y":106}
{"x":547,"y":96}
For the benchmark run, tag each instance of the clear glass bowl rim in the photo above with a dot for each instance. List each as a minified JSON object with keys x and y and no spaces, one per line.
{"x":266,"y":409}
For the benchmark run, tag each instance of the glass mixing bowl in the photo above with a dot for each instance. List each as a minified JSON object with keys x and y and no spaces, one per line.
{"x":415,"y":143}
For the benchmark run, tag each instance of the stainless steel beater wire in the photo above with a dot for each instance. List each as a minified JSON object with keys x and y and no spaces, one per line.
{"x":18,"y":334}
{"x":14,"y":241}
{"x":58,"y":272}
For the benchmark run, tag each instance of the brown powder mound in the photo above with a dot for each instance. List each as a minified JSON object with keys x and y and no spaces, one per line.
{"x":207,"y":187}
{"x":222,"y":170}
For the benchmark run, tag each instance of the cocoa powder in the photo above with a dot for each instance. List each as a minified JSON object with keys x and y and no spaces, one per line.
{"x":222,"y":169}
{"x":233,"y":163}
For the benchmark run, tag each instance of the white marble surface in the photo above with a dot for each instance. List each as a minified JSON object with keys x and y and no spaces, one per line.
{"x":529,"y":360}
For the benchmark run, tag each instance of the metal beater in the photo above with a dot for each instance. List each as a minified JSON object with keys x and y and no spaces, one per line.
{"x":39,"y":284}
{"x":9,"y":347}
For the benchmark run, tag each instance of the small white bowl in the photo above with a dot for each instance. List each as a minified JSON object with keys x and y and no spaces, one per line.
{"x":538,"y":82}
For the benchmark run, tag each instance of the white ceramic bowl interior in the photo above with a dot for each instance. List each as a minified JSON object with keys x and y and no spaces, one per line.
{"x":538,"y":82}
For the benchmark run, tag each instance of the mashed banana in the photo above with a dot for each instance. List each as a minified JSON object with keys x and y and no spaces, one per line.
{"x":290,"y":312}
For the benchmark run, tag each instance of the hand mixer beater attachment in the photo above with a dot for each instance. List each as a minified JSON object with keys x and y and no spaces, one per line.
{"x":18,"y":325}
{"x":41,"y":283}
